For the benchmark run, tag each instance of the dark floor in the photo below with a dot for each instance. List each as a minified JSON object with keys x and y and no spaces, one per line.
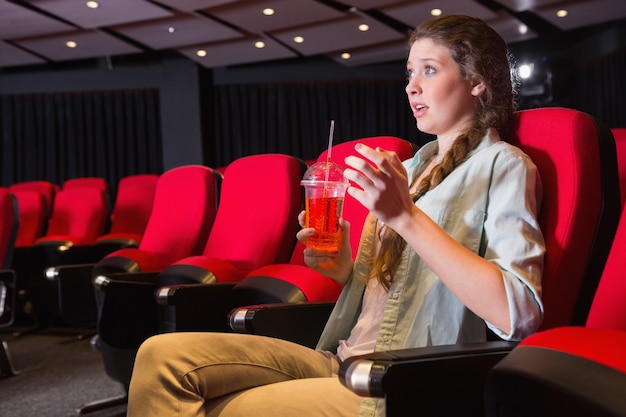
{"x":58,"y":373}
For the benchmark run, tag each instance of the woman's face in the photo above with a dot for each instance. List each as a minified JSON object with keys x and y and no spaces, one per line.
{"x":441,"y":99}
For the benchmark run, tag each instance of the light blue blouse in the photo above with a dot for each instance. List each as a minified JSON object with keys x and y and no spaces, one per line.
{"x":490,"y":204}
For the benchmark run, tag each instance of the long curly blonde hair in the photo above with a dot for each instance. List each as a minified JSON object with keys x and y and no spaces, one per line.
{"x":481,"y":54}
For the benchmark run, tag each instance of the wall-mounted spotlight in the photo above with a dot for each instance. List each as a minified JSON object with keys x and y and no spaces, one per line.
{"x":525,"y":71}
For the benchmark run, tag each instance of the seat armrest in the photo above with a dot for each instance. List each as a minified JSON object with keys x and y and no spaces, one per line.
{"x":61,"y":253}
{"x":7,"y":297}
{"x":194,"y":307}
{"x":23,"y":261}
{"x":77,"y":301}
{"x":54,"y":273}
{"x":451,"y":377}
{"x":301,"y":323}
{"x":101,"y":281}
{"x":545,"y":382}
{"x":128,"y":312}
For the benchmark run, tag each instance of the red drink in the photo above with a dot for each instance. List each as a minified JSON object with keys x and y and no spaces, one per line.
{"x":324,"y":190}
{"x":323,"y":215}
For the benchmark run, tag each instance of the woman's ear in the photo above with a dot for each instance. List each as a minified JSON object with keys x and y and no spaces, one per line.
{"x":478,"y":87}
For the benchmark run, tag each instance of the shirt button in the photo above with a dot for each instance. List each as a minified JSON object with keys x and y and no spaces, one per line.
{"x":395,"y":295}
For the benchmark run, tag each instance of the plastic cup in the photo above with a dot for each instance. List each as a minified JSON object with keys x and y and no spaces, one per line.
{"x":324,"y":191}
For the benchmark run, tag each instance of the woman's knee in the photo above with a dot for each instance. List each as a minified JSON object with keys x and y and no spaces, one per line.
{"x":318,"y":397}
{"x":157,"y":349}
{"x":149,"y":348}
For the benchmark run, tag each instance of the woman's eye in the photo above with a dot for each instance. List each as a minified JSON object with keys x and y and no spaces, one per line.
{"x":429,"y":70}
{"x":409,"y":74}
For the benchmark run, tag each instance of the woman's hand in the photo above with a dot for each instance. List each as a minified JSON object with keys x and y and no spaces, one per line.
{"x":336,"y":265}
{"x":384,"y":185}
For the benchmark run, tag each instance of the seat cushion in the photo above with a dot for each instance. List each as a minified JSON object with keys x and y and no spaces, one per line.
{"x":605,"y":346}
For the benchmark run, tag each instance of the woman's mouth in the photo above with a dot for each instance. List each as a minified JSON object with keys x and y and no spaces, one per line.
{"x":419,"y":109}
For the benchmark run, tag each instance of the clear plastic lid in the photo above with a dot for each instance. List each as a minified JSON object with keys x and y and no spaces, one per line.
{"x":321,"y":172}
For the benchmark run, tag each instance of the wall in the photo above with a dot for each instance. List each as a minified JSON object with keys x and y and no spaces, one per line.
{"x":177,"y":79}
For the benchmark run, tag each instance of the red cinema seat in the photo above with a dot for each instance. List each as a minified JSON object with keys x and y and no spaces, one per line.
{"x":131,"y":211}
{"x":47,"y":189}
{"x":182,"y":214}
{"x":243,"y":238}
{"x":573,"y":370}
{"x":79,"y":216}
{"x":251,"y":228}
{"x":33,"y":217}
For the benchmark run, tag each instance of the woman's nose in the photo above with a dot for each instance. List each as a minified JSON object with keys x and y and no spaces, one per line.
{"x":412,"y":87}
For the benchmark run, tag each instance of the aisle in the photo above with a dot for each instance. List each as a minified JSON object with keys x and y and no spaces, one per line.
{"x":57,"y":375}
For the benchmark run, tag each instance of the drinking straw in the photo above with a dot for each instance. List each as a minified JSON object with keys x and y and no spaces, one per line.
{"x":330,"y":148}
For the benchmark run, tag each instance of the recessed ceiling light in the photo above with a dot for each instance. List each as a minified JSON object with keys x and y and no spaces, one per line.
{"x":71,"y":44}
{"x":92,"y":4}
{"x":562,"y":13}
{"x":268,"y":11}
{"x":298,"y":39}
{"x":436,"y":12}
{"x":364,"y":27}
{"x":523,"y":29}
{"x":345,"y":55}
{"x":259,"y":44}
{"x":201,"y":52}
{"x":171,"y":29}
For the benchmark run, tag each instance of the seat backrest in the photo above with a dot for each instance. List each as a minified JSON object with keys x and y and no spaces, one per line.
{"x":45,"y":188}
{"x":571,"y":370}
{"x":259,"y":204}
{"x":620,"y":143}
{"x":96,"y":182}
{"x":33,"y":217}
{"x":183,"y":212}
{"x":608,"y":309}
{"x":576,"y":159}
{"x":91,"y":182}
{"x":79,"y":215}
{"x":8,"y":226}
{"x":133,"y":204}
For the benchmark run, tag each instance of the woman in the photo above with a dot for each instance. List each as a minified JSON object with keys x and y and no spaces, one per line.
{"x":452,"y":243}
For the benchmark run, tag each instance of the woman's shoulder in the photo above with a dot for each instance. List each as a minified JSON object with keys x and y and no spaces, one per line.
{"x":503,"y":150}
{"x":501,"y":155}
{"x":507,"y":149}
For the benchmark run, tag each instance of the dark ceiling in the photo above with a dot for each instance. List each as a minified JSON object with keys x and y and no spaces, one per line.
{"x":218,"y":33}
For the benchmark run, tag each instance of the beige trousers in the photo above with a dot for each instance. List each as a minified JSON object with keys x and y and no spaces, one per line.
{"x":229,"y":374}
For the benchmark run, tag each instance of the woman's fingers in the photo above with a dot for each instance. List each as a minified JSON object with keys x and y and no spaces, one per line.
{"x":379,"y":182}
{"x":302,"y":219}
{"x":375,"y":168}
{"x":304,"y":234}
